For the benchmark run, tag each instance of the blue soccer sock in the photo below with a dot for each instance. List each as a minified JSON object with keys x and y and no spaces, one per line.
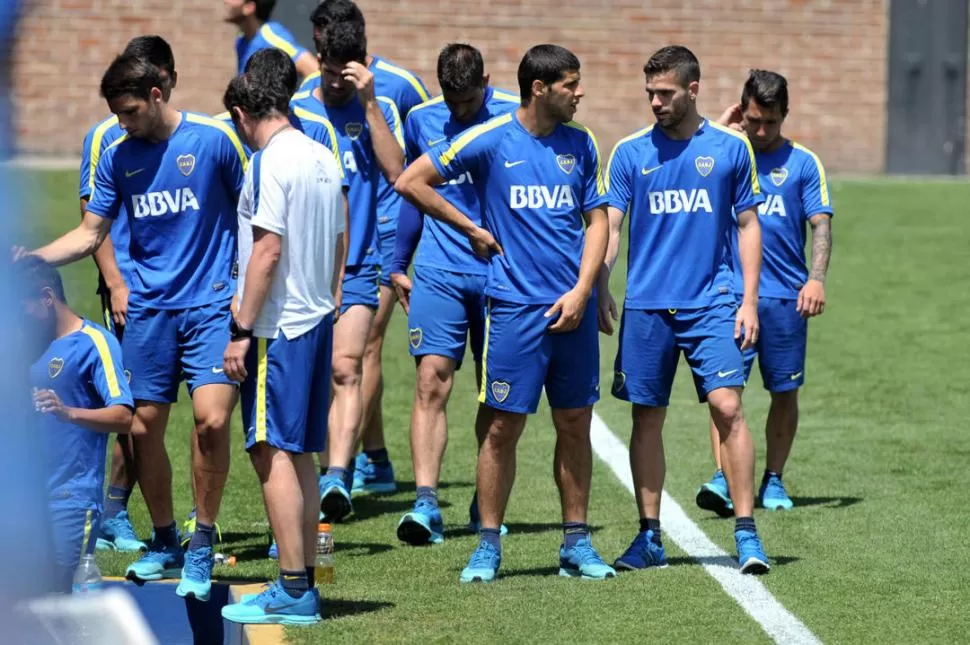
{"x":492,"y":537}
{"x":744,"y":524}
{"x":116,"y":501}
{"x":378,"y":456}
{"x":573,"y":533}
{"x":342,"y":473}
{"x":294,"y":583}
{"x":167,"y":536}
{"x":651,"y":524}
{"x":428,"y":494}
{"x":203,"y":536}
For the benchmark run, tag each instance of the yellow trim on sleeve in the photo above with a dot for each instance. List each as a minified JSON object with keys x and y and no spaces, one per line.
{"x":309,"y":79}
{"x":105,"y":355}
{"x":301,"y":113}
{"x":600,"y":184}
{"x":470,"y":135}
{"x":755,"y":185}
{"x":609,"y":163}
{"x":396,"y":128}
{"x":823,"y":184}
{"x":277,"y":41}
{"x":96,"y":139}
{"x":228,"y":131}
{"x":383,"y":65}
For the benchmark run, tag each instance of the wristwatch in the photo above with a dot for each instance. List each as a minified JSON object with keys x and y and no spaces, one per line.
{"x":236,"y":332}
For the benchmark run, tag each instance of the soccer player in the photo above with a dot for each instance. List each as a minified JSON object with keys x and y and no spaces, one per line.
{"x":447,"y":304}
{"x":538,"y":178}
{"x":114,"y":277}
{"x":178,"y":175}
{"x":291,"y":223}
{"x":79,"y":387}
{"x":796,"y":192}
{"x":368,"y":134}
{"x":679,"y":180}
{"x":258,"y":32}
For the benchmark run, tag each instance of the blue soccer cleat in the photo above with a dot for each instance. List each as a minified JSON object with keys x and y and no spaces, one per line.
{"x":335,"y":501}
{"x":371,"y":478}
{"x":642,"y":553}
{"x":582,"y":561}
{"x":751,"y":555}
{"x":423,"y":525}
{"x":714,"y":496}
{"x":117,"y":534}
{"x":275,"y":607}
{"x":483,"y":565}
{"x":475,"y":521}
{"x":158,"y":563}
{"x":196,"y":579}
{"x":773,"y":495}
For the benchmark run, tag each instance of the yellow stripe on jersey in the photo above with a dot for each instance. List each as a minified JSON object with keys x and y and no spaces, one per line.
{"x":406,"y":75}
{"x":823,"y":185}
{"x":300,"y":113}
{"x":301,"y":95}
{"x":276,"y":41}
{"x":600,"y":184}
{"x":396,"y":129}
{"x":220,"y":125}
{"x":310,"y":77}
{"x":755,"y":185}
{"x":488,"y":321}
{"x":114,"y":143}
{"x":106,"y":361}
{"x":609,"y":163}
{"x":470,"y":135}
{"x":433,"y":101}
{"x":223,"y":116}
{"x":505,"y":96}
{"x":261,"y":389}
{"x":96,"y":147}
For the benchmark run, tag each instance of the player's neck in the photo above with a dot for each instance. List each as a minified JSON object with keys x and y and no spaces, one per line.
{"x":535,"y":123}
{"x":170,"y":121}
{"x":269,"y":128}
{"x":774,"y":145}
{"x":685,"y":129}
{"x":68,"y":322}
{"x":369,"y":60}
{"x":250,"y":27}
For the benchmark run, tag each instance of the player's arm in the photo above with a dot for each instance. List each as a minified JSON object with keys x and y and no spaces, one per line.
{"x":77,"y":243}
{"x":340,"y":257}
{"x":816,"y":200}
{"x":747,"y":196}
{"x":409,"y":225}
{"x":572,"y":305}
{"x":388,"y":145}
{"x":306,"y":64}
{"x":114,"y":419}
{"x":618,"y":191}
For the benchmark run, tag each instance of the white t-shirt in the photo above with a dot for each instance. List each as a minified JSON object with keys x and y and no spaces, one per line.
{"x":293,"y":187}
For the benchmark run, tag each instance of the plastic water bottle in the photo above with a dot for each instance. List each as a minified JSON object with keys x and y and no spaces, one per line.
{"x":323,"y":563}
{"x":87,"y":576}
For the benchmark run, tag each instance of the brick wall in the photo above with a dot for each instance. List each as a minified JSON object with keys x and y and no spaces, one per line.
{"x":832,"y":51}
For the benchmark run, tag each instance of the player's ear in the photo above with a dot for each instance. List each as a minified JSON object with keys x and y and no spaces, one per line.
{"x":692,"y":89}
{"x":484,"y":81}
{"x":47,"y":295}
{"x":156,"y":95}
{"x":538,"y":88}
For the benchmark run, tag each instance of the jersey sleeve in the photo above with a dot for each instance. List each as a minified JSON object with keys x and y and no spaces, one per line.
{"x":619,"y":178}
{"x":815,"y":189}
{"x":393,"y":117}
{"x":105,"y":200}
{"x":594,"y":188}
{"x":412,"y":138}
{"x":107,"y":369}
{"x":84,"y":182}
{"x":747,"y":190}
{"x":269,"y":196}
{"x":232,"y":160}
{"x":280,"y":37}
{"x":469,"y":152}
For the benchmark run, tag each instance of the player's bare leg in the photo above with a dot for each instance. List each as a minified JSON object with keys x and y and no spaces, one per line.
{"x":647,"y":461}
{"x":713,"y":495}
{"x":573,"y":463}
{"x":737,"y":447}
{"x":496,"y":466}
{"x":155,"y":474}
{"x":429,"y":421}
{"x":307,"y":474}
{"x":780,"y":429}
{"x":117,"y":532}
{"x":212,"y":406}
{"x":376,"y":474}
{"x":284,"y":501}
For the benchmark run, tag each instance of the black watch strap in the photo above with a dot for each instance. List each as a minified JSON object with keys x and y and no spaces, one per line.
{"x":236,"y":332}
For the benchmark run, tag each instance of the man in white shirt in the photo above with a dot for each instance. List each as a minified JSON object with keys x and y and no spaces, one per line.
{"x":292,"y":217}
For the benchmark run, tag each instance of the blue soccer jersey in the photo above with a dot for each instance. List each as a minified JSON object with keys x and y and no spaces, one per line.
{"x":347,"y":125}
{"x":535,"y":191}
{"x":226,"y":118}
{"x":180,"y":196}
{"x":84,"y":368}
{"x":793,"y":181}
{"x":271,"y":34}
{"x":428,"y":124}
{"x":96,"y":141}
{"x":681,"y":196}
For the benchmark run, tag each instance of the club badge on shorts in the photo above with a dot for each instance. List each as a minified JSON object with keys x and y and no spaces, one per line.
{"x":415,"y":336}
{"x":500,"y":390}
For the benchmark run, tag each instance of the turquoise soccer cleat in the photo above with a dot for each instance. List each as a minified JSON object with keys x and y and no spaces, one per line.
{"x":275,"y":607}
{"x":196,"y":579}
{"x":582,"y":561}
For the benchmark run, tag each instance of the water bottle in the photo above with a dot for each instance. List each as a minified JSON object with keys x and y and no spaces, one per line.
{"x":323,"y":563}
{"x":87,"y":576}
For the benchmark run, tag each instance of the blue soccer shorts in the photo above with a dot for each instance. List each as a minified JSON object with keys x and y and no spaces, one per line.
{"x":361,"y":286}
{"x":447,"y":308}
{"x":781,"y":345}
{"x":286,"y":394}
{"x":651,"y":342}
{"x":75,"y":534}
{"x":522,"y":357}
{"x":163,"y":347}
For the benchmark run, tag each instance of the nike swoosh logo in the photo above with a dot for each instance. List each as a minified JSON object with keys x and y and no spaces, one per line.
{"x":647,"y":171}
{"x":217,"y":370}
{"x":725,"y":374}
{"x":795,"y":376}
{"x":513,"y":164}
{"x":133,"y":172}
{"x":436,"y":141}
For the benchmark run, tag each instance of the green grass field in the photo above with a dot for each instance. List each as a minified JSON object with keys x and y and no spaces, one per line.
{"x":875,"y":550}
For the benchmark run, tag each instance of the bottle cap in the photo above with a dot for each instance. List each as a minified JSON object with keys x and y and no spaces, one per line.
{"x":323,"y":528}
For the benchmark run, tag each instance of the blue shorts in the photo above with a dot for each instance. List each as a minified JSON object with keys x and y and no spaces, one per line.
{"x":446,"y":309}
{"x":521,"y":357}
{"x":781,"y":345}
{"x":163,"y":347}
{"x":286,"y":395}
{"x":75,"y":534}
{"x":651,"y":343}
{"x":361,"y":286}
{"x":387,"y":234}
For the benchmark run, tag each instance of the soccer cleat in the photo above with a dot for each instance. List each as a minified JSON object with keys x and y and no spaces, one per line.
{"x":642,"y":553}
{"x":196,"y":579}
{"x":773,"y":495}
{"x":483,"y":565}
{"x":714,"y":496}
{"x":751,"y":555}
{"x":274,"y":551}
{"x":475,"y":522}
{"x":335,"y":501}
{"x":158,"y":563}
{"x":371,"y":478}
{"x":275,"y":607}
{"x":582,"y":561}
{"x":117,"y":534}
{"x":423,"y":525}
{"x":188,"y":528}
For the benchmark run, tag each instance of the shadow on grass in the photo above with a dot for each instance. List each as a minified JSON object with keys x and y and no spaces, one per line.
{"x":517,"y":528}
{"x":727,"y":561}
{"x":374,"y":506}
{"x":334,"y":608}
{"x":829,"y":502}
{"x":409,"y":486}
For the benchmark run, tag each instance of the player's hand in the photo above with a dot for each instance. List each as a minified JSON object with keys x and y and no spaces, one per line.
{"x":363,"y":80}
{"x":234,"y":359}
{"x":747,"y":319}
{"x":119,"y":304}
{"x":811,"y":299}
{"x":606,"y":312}
{"x":483,"y":243}
{"x":570,"y":307}
{"x":18,"y":253}
{"x":731,"y":117}
{"x":402,"y":287}
{"x":48,"y":402}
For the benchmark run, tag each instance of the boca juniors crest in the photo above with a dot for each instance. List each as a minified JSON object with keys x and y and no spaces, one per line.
{"x":186,"y":164}
{"x":566,"y":163}
{"x":354,"y":130}
{"x":704,"y":165}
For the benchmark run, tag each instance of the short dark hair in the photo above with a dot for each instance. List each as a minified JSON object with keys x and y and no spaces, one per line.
{"x":330,"y":11}
{"x":155,"y":50}
{"x":264,"y":8}
{"x":272,"y":65}
{"x":130,"y":76}
{"x":677,"y":59}
{"x":343,"y":42}
{"x":768,"y":89}
{"x":546,"y":63}
{"x":259,"y":97}
{"x":460,"y":68}
{"x":33,"y":275}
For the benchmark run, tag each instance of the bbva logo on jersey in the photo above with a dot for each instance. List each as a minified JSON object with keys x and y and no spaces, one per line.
{"x":773,"y":205}
{"x":163,"y":202}
{"x":671,"y":202}
{"x":541,"y":197}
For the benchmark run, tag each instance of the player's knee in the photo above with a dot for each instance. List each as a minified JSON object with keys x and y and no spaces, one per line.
{"x":346,"y":371}
{"x":572,"y":422}
{"x":726,"y":409}
{"x":785,"y":400}
{"x":212,"y":427}
{"x":504,"y":430}
{"x":433,"y":384}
